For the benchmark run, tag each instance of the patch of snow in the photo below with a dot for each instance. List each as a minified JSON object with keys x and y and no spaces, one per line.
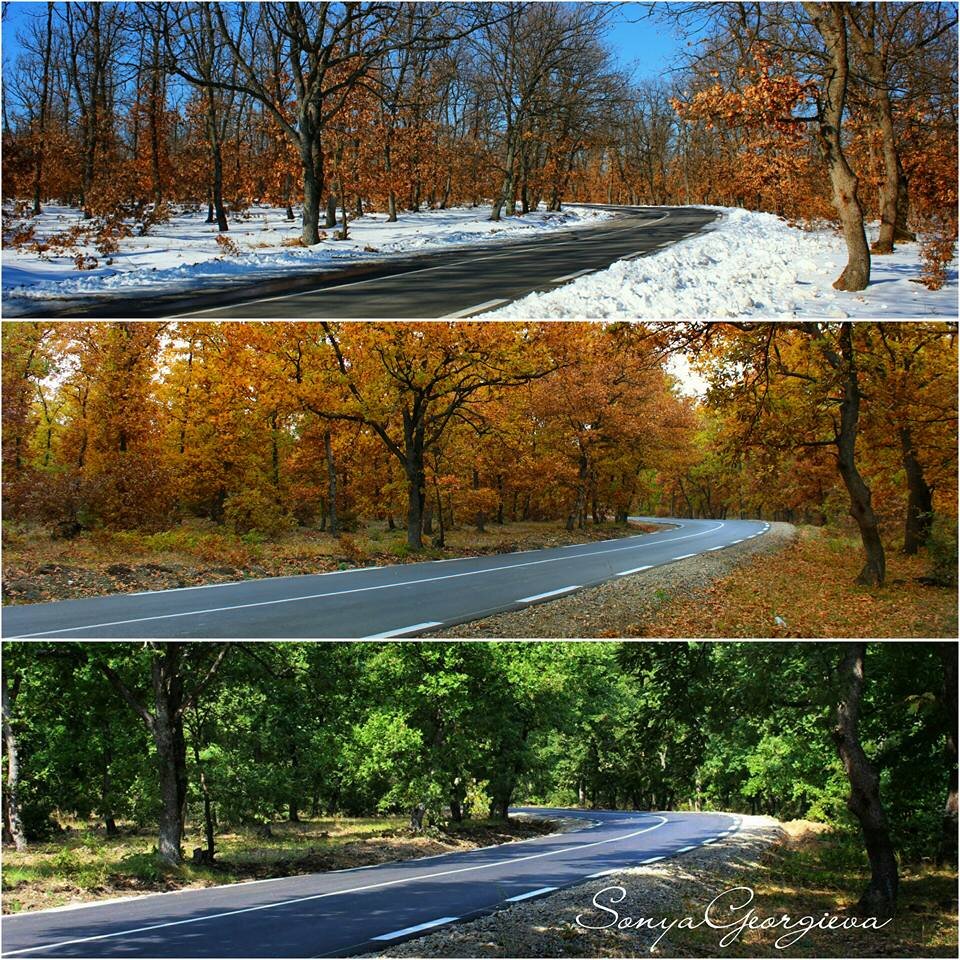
{"x":182,"y":254}
{"x":745,"y":264}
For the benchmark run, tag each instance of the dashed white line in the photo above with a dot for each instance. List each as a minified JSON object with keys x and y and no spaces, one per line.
{"x":400,"y":631}
{"x":531,"y":893}
{"x":549,"y":593}
{"x":477,"y":308}
{"x":653,"y":859}
{"x":420,"y":926}
{"x":383,"y":586}
{"x":711,"y":840}
{"x":685,"y":556}
{"x":686,"y":849}
{"x":337,"y":893}
{"x":627,"y":573}
{"x":711,"y":549}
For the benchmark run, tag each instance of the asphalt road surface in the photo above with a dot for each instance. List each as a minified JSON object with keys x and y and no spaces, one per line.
{"x":356,"y":911}
{"x":372,"y":602}
{"x":440,"y":284}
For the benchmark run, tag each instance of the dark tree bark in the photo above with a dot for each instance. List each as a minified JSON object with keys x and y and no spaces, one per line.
{"x":11,"y":799}
{"x":880,"y":897}
{"x":920,"y":497}
{"x":40,"y":147}
{"x":947,"y":849}
{"x":844,"y":364}
{"x":165,"y":724}
{"x":331,"y":484}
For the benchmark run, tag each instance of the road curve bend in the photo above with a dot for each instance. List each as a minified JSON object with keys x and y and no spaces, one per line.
{"x":400,"y":600}
{"x":368,"y":908}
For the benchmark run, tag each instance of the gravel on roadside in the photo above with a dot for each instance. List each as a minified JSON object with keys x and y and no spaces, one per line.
{"x":627,"y":606}
{"x":548,"y":927}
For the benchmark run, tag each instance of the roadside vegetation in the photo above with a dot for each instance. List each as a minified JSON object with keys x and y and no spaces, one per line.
{"x":808,"y":589}
{"x":37,"y":568}
{"x":238,"y":758}
{"x":82,"y":862}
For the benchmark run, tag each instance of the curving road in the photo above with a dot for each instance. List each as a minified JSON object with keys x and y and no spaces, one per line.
{"x":369,"y":908}
{"x":447,"y":283}
{"x":373,"y":602}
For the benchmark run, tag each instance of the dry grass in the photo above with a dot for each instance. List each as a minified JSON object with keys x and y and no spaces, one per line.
{"x":810,"y":587}
{"x":84,"y":864}
{"x":37,"y":567}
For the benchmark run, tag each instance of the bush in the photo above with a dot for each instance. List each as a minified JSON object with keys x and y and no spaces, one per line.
{"x":942,"y":551}
{"x":250,"y":510}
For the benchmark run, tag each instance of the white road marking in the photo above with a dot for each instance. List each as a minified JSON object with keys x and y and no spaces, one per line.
{"x":335,"y":893}
{"x":477,"y":308}
{"x":604,"y":873}
{"x":400,"y":631}
{"x":711,"y":549}
{"x":531,"y":893}
{"x":304,"y":293}
{"x":738,"y":541}
{"x":626,"y":573}
{"x":684,"y":556}
{"x":549,"y":593}
{"x":573,"y":276}
{"x":382,"y":586}
{"x":653,"y":859}
{"x":711,"y":840}
{"x":685,"y":849}
{"x":419,"y":926}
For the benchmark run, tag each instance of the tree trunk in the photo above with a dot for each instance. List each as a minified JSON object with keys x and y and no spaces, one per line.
{"x":880,"y":897}
{"x":40,"y":146}
{"x":14,"y":825}
{"x":830,"y":22}
{"x":312,"y":192}
{"x":874,"y":570}
{"x":920,"y":500}
{"x":947,"y":849}
{"x":417,"y":813}
{"x":331,"y":483}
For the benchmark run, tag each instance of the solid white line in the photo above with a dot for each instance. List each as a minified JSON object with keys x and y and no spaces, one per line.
{"x":532,"y":893}
{"x":573,"y":276}
{"x":684,"y":556}
{"x":419,"y":926}
{"x":400,"y":631}
{"x":337,"y":893}
{"x":468,"y":311}
{"x":549,"y":593}
{"x":634,"y":570}
{"x":382,"y":586}
{"x":653,"y":859}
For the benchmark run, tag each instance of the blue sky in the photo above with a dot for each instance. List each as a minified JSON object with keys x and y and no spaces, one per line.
{"x":638,"y":41}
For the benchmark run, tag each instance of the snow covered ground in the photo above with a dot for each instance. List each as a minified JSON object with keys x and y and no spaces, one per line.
{"x":745,"y":265}
{"x":183,"y":255}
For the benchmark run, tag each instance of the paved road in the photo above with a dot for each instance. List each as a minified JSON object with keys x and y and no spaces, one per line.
{"x":355,"y":911}
{"x":372,"y":602}
{"x":444,"y":283}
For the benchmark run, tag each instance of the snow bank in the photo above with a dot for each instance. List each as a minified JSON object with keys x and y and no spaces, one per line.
{"x":745,"y":265}
{"x":183,"y":255}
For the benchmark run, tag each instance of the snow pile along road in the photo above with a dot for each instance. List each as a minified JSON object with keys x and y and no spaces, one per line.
{"x":745,"y":265}
{"x":183,"y":254}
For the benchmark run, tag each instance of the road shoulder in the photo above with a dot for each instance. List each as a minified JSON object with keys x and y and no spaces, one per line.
{"x":626,"y":606}
{"x":547,"y":927}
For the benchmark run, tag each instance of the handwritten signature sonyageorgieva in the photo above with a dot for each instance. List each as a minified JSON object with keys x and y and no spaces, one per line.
{"x":729,"y":911}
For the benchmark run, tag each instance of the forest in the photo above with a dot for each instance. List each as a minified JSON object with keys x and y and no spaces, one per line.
{"x":817,"y":112}
{"x":221,"y":437}
{"x":190,"y":738}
